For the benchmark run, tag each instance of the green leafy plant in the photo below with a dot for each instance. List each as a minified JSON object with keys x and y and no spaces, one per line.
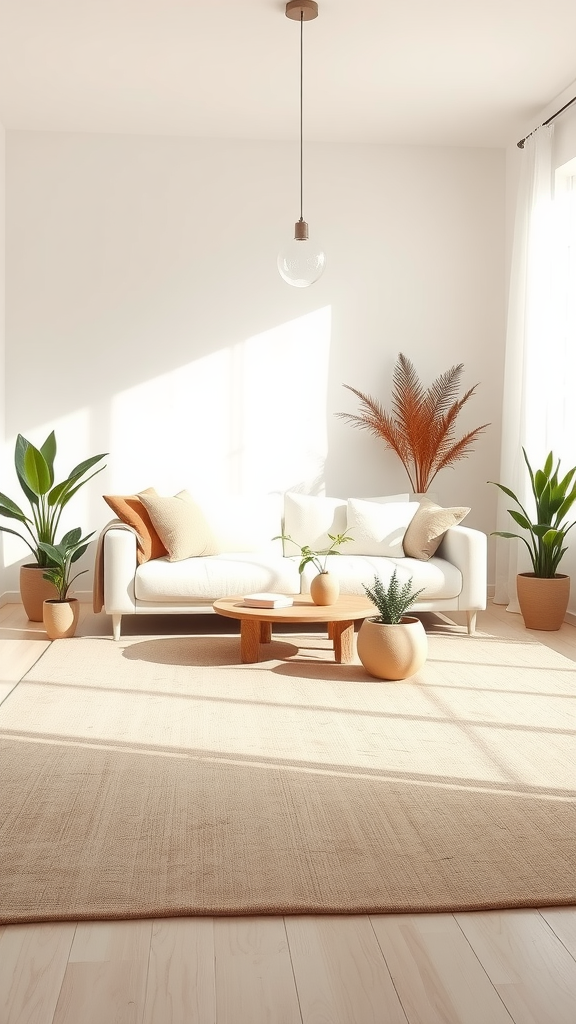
{"x":62,"y":556}
{"x":420,"y":428}
{"x":35,"y":472}
{"x":320,"y":557}
{"x":392,"y":601}
{"x":553,"y":499}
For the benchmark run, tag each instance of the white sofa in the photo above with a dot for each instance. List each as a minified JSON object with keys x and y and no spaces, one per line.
{"x":454,"y":579}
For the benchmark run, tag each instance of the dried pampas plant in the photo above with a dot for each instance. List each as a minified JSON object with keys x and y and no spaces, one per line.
{"x":420,"y":428}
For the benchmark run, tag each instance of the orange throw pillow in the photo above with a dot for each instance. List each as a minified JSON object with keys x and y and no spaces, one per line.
{"x":133,"y":512}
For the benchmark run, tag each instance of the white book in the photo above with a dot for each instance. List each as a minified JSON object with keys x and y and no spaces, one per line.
{"x":268,"y":600}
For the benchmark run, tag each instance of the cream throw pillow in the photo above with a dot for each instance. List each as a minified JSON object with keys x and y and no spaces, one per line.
{"x":425,"y":532}
{"x":378,"y":529}
{"x":181,"y":525}
{"x":309,"y":518}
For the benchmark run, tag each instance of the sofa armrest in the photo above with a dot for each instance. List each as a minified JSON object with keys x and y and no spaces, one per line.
{"x":120,"y":564}
{"x":467,"y":550}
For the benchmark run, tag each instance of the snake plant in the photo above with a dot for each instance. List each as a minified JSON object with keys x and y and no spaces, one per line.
{"x":547,"y":530}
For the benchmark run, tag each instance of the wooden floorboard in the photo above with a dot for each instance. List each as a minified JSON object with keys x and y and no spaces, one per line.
{"x":504,"y":967}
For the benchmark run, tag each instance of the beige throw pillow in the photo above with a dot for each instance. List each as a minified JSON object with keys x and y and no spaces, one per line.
{"x":181,"y":525}
{"x":425,"y":532}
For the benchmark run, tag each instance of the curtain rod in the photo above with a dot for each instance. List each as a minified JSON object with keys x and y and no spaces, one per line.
{"x":551,"y":118}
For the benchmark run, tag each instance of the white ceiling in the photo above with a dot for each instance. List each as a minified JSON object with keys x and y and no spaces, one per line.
{"x":454,"y":72}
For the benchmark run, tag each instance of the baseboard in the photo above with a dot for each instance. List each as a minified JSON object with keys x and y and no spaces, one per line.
{"x":491,"y":590}
{"x":13,"y":597}
{"x":571,"y":618}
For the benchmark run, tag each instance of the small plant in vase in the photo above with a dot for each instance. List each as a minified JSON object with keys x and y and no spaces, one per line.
{"x":392,"y":645}
{"x":324,"y":588}
{"x":60,"y":614}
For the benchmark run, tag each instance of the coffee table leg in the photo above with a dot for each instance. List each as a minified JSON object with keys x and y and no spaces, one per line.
{"x":249,"y":640}
{"x":265,"y":632}
{"x":343,"y":636}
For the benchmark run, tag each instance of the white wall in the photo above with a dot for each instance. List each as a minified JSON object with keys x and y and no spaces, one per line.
{"x":146,"y":318}
{"x":3,"y":581}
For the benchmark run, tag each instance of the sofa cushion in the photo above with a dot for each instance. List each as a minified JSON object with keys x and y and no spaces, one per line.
{"x":181,"y":525}
{"x":424,"y":534}
{"x":131,"y":510}
{"x":208,"y":578}
{"x":309,"y":518}
{"x":439,"y":578}
{"x":378,"y":529}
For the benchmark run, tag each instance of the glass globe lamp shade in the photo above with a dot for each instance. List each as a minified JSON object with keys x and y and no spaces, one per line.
{"x":301,"y":262}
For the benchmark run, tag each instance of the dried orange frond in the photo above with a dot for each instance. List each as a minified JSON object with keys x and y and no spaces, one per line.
{"x":420,"y":428}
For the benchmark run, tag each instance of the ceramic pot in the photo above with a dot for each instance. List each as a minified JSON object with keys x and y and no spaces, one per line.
{"x":61,"y":617}
{"x":392,"y":651}
{"x":430,"y":496}
{"x":325,"y":588}
{"x":543,"y":602}
{"x":34,"y":590}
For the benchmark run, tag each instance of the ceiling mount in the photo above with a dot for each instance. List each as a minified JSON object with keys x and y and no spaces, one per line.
{"x":302,"y":10}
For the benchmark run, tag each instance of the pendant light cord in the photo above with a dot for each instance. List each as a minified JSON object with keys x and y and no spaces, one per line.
{"x":301,"y":108}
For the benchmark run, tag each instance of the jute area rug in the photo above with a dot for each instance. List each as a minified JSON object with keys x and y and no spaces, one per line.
{"x":157,"y":777}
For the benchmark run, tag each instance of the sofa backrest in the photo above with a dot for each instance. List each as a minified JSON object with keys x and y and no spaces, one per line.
{"x":242,"y":522}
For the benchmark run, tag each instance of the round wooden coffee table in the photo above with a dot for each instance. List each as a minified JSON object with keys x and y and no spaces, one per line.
{"x":256,"y":623}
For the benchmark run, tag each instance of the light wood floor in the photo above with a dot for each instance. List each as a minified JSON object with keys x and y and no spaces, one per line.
{"x":478,"y":968}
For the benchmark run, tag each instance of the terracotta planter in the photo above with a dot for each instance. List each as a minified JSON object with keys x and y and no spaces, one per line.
{"x":34,"y":590}
{"x":324,"y":588}
{"x":392,"y":651}
{"x":61,"y":617}
{"x":543,"y":602}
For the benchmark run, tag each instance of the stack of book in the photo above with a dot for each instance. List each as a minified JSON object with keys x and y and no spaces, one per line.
{"x":268,"y":600}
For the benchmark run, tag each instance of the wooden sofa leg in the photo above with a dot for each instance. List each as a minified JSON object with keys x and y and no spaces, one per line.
{"x":471,"y":620}
{"x":116,"y":623}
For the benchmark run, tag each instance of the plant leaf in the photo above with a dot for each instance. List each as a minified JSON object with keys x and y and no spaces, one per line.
{"x":11,"y":510}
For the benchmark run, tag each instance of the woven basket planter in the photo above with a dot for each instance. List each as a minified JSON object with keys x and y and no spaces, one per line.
{"x":543,"y":602}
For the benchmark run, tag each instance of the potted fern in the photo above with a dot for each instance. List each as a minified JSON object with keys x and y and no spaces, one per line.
{"x":392,"y":644}
{"x":420,"y":428}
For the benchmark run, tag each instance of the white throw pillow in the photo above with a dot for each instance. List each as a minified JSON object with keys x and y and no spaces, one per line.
{"x":378,"y":528}
{"x":309,"y":518}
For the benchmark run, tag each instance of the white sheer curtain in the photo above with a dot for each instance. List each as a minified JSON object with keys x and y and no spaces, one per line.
{"x":530,"y":339}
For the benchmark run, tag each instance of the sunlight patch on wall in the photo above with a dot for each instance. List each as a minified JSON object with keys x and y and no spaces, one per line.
{"x":249,"y":418}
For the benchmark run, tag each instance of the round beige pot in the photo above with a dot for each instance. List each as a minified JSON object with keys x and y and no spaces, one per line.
{"x":392,"y":651}
{"x":61,"y":617}
{"x":543,"y":602}
{"x":324,"y":588}
{"x":34,"y":590}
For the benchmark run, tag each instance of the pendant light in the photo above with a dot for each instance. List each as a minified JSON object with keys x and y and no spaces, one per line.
{"x":301,"y":262}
